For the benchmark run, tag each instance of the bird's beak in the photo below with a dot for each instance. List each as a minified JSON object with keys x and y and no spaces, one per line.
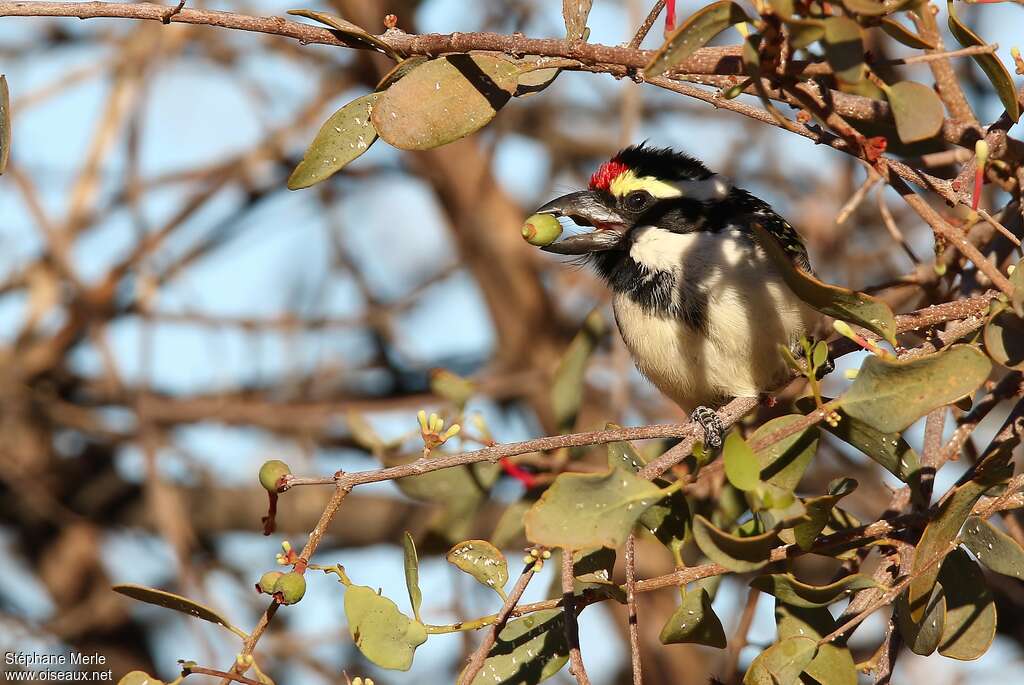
{"x":586,"y":208}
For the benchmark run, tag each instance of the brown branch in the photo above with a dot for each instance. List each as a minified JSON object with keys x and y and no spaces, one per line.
{"x":631,"y":614}
{"x":476,"y":662}
{"x":645,"y":27}
{"x":572,"y":630}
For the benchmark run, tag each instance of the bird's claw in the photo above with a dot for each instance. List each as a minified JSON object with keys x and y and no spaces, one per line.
{"x":711,"y":424}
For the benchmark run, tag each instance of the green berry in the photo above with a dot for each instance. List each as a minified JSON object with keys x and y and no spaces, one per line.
{"x":541,"y":229}
{"x":139,"y":678}
{"x":267,"y":582}
{"x":292,"y":587}
{"x":271,"y":472}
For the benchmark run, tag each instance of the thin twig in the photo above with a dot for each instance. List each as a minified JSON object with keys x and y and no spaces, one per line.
{"x":631,"y":614}
{"x":476,"y":662}
{"x":572,"y":630}
{"x":739,"y":638}
{"x":645,"y":27}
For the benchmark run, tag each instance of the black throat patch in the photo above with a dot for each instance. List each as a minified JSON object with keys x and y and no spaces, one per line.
{"x":658,"y":293}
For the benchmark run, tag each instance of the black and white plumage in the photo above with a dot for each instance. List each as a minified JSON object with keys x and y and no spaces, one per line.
{"x":699,"y":304}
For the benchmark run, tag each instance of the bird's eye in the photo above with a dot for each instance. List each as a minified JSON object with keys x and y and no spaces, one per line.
{"x":637,"y":201}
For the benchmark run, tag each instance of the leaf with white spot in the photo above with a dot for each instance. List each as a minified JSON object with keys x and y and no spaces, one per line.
{"x":483,"y":561}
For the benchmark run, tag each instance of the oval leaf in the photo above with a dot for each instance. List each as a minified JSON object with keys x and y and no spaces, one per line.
{"x":791,"y":591}
{"x":994,"y":548}
{"x":533,"y":77}
{"x":830,"y":300}
{"x":1004,"y":337}
{"x":833,"y":664}
{"x":528,"y":650}
{"x":782,"y":663}
{"x":5,"y":123}
{"x":970,"y":624}
{"x":694,"y":33}
{"x":346,"y":135}
{"x":412,"y":574}
{"x":818,"y":510}
{"x":803,"y":32}
{"x":384,"y":635}
{"x":741,"y":465}
{"x":735,"y":553}
{"x":695,"y":621}
{"x":844,"y":48}
{"x":901,"y":33}
{"x":587,"y":510}
{"x":443,"y":100}
{"x":922,"y":635}
{"x":483,"y":561}
{"x":917,"y":110}
{"x":169,"y":600}
{"x":989,"y":63}
{"x":783,"y":463}
{"x":567,"y":385}
{"x":889,"y":395}
{"x":940,"y":532}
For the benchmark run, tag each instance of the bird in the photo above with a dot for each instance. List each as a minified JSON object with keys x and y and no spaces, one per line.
{"x":701,"y":307}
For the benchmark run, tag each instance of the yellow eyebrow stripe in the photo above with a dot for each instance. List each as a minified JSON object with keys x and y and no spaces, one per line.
{"x":628,"y":181}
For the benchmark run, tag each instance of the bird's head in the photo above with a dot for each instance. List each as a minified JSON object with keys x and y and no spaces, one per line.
{"x":640,"y":186}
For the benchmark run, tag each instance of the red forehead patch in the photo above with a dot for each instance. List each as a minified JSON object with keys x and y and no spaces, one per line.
{"x":607,"y":173}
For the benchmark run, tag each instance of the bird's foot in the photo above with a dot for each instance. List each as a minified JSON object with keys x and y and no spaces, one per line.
{"x":711,"y":424}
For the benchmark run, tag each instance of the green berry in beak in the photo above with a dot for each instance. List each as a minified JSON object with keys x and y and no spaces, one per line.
{"x":271,"y":472}
{"x":267,"y":582}
{"x":541,"y":229}
{"x":292,"y":587}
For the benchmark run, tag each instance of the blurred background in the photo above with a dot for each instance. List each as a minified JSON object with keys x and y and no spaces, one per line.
{"x":171,"y":316}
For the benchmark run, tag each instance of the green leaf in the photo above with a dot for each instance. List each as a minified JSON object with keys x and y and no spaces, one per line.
{"x":783,"y":463}
{"x":844,"y":48}
{"x":567,"y":385}
{"x":922,"y":635}
{"x":938,"y":535}
{"x":528,"y":650}
{"x":509,"y":529}
{"x":890,"y":450}
{"x":5,"y":123}
{"x":1004,"y":336}
{"x":694,"y":33}
{"x":1017,"y":281}
{"x":830,"y":300}
{"x":532,"y":80}
{"x":918,"y":111}
{"x":695,"y":621}
{"x":346,"y":135}
{"x":443,"y":100}
{"x":483,"y":561}
{"x":593,"y":566}
{"x":791,"y":591}
{"x":889,"y":395}
{"x":868,"y":8}
{"x":623,"y":453}
{"x":351,"y":34}
{"x":994,"y":548}
{"x":587,"y":510}
{"x":833,"y":664}
{"x":782,"y":663}
{"x":412,"y":573}
{"x":384,"y":635}
{"x":901,"y":33}
{"x":735,"y":553}
{"x":460,"y":491}
{"x":169,"y":600}
{"x":804,"y":32}
{"x":989,"y":63}
{"x":742,"y":467}
{"x":451,"y":387}
{"x":400,"y":71}
{"x":817,"y":511}
{"x":575,"y":13}
{"x":970,"y":609}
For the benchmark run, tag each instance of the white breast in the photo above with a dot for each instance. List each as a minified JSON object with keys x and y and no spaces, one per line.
{"x":750,"y":312}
